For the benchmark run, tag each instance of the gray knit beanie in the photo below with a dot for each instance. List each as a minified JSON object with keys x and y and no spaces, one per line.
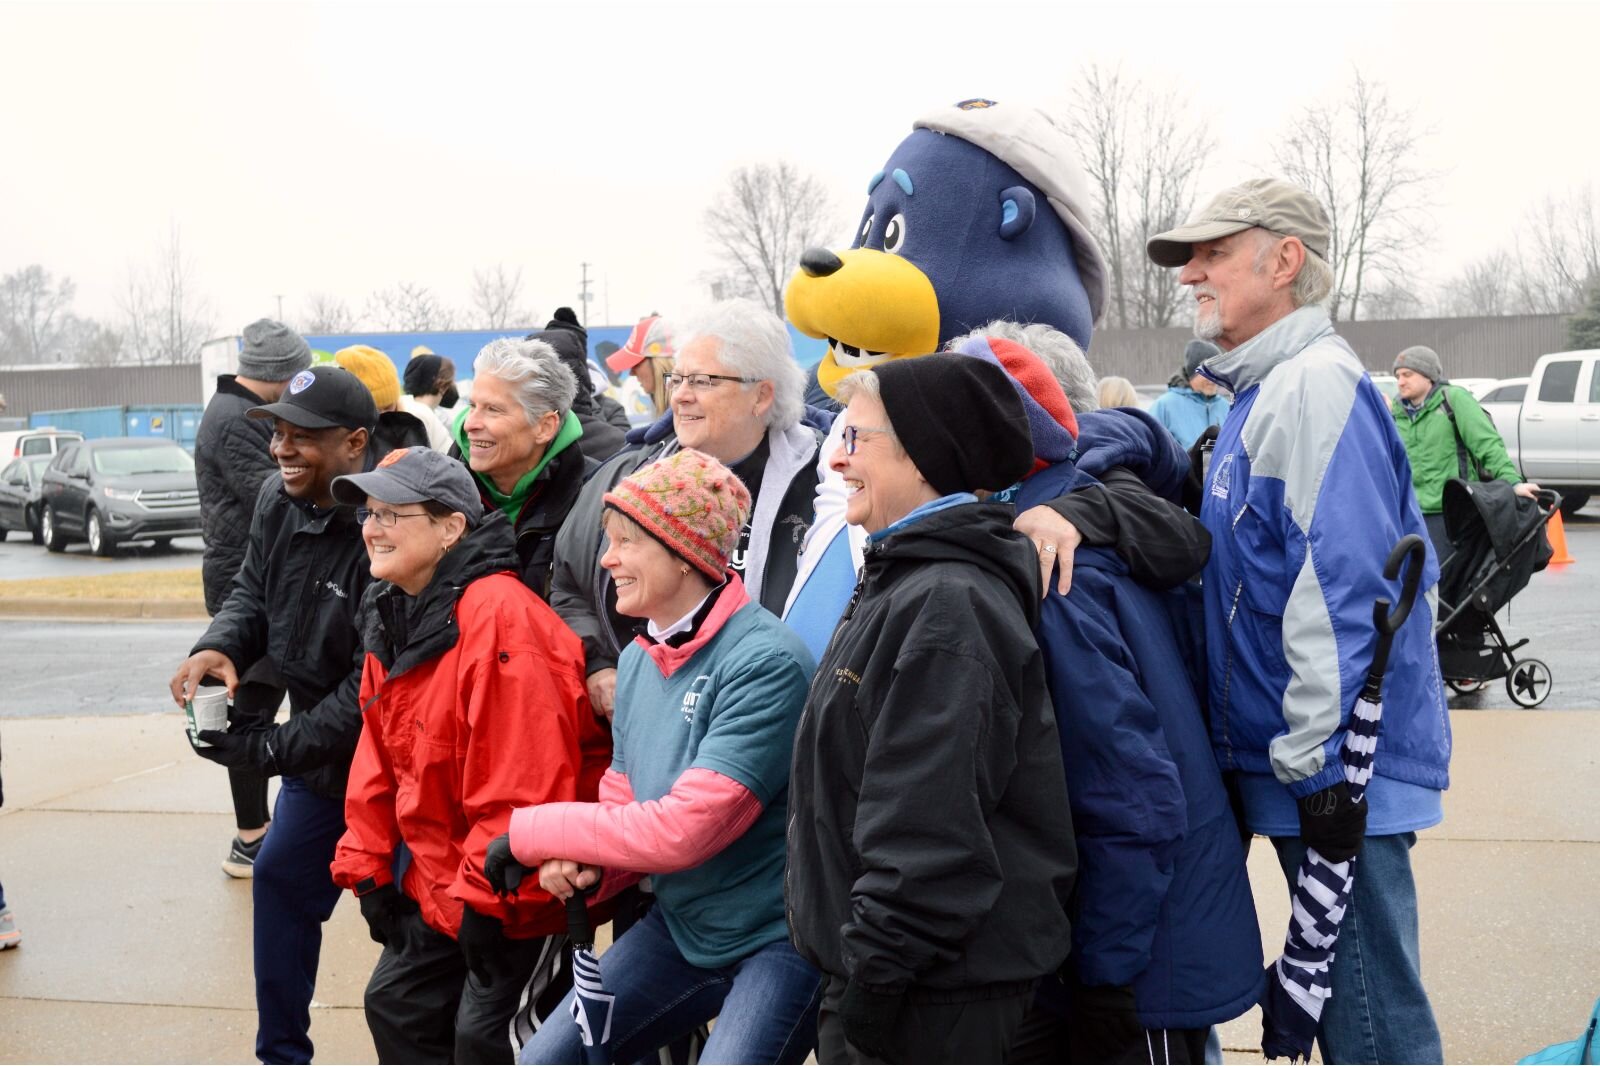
{"x":272,"y":352}
{"x":1195,"y":353}
{"x":1424,"y":361}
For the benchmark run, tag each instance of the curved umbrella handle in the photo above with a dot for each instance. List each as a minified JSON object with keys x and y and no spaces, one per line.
{"x":1388,"y":623}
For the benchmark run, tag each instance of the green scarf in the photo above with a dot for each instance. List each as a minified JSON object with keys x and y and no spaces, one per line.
{"x":571,"y":429}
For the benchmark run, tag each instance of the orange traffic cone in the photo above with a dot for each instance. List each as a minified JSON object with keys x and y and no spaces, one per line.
{"x":1558,"y":540}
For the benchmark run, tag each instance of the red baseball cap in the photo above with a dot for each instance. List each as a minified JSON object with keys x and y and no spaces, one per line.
{"x":651,"y":337}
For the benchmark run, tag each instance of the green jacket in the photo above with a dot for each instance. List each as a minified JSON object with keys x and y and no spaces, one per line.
{"x":1431,"y":443}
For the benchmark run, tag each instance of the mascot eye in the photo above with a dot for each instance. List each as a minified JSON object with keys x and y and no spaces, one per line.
{"x":894,"y":234}
{"x":866,"y":228}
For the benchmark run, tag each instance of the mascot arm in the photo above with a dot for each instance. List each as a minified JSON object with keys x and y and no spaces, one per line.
{"x":1162,"y":543}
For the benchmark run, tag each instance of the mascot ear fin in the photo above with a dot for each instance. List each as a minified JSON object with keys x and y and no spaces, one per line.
{"x":1017,"y":205}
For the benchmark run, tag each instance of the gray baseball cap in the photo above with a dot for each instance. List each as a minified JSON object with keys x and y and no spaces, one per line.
{"x":1270,"y":203}
{"x":412,"y":475}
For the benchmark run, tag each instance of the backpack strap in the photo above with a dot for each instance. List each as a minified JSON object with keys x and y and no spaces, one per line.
{"x":1466,"y":464}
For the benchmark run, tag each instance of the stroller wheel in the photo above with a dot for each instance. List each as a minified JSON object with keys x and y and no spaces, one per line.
{"x":1529,"y":682}
{"x":1464,"y":686}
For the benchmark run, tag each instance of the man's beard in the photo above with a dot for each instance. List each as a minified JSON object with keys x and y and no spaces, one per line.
{"x":1207,"y":324}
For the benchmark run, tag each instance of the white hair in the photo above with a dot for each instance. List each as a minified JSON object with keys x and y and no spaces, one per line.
{"x":1059,"y":353}
{"x":866,"y":383}
{"x":1312,"y":285}
{"x":542,"y":382}
{"x":754,"y":344}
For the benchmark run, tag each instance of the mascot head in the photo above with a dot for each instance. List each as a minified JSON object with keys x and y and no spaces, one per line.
{"x":979,"y":214}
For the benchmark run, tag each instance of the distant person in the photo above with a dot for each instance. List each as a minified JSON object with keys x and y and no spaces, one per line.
{"x":1446,"y":435}
{"x":10,"y":937}
{"x":605,"y":423}
{"x":430,"y":387}
{"x":1117,"y":392}
{"x":473,"y":703}
{"x":648,"y":354}
{"x":232,"y":460}
{"x":1191,"y":402}
{"x":295,"y":599}
{"x":396,"y":428}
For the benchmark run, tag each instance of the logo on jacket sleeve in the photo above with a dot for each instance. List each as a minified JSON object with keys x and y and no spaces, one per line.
{"x":1222,"y":479}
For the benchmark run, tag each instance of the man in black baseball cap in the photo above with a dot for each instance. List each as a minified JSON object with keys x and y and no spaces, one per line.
{"x":294,"y":600}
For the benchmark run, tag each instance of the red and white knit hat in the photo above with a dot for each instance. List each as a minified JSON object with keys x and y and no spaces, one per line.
{"x":689,"y":502}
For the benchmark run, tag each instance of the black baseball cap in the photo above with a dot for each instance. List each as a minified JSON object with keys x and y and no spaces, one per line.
{"x":412,"y":475}
{"x":323,"y":397}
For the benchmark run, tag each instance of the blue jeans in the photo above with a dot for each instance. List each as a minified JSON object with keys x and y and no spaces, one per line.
{"x":1379,"y":1011}
{"x":765,"y":1004}
{"x":294,"y":894}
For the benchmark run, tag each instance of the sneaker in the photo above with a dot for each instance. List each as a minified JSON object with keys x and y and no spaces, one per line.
{"x":241,"y":860}
{"x":9,"y":936}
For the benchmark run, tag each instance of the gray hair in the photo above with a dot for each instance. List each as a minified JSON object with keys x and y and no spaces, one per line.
{"x":541,"y":380}
{"x":1059,"y":353}
{"x":1314,"y":283}
{"x":865,"y":383}
{"x":755,"y":346}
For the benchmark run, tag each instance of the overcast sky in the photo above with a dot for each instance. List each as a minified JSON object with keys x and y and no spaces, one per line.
{"x":346,"y":147}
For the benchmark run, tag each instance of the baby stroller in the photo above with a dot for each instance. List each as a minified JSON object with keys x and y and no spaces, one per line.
{"x":1498,"y":543}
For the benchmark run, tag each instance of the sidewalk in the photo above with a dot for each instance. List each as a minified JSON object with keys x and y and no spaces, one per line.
{"x":136,"y":947}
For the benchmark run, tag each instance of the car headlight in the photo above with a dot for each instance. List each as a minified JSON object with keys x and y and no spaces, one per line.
{"x":121,"y":494}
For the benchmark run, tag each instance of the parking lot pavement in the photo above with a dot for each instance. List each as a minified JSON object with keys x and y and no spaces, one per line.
{"x":24,"y":559}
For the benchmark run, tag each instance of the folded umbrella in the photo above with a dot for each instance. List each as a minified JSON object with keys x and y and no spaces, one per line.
{"x":591,"y":1003}
{"x":1298,"y":982}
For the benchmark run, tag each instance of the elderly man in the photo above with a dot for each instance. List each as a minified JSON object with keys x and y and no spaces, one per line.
{"x":737,"y":396}
{"x":1446,"y":435}
{"x":1308,"y":490}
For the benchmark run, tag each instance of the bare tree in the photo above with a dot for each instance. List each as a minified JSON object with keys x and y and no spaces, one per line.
{"x":496,"y":298}
{"x":165,"y":319}
{"x":761,"y":222}
{"x":326,"y":313}
{"x":1487,"y":286}
{"x":35,"y":315}
{"x":409,"y":307}
{"x":1559,"y":253}
{"x":1143,"y":154}
{"x":1358,"y":155}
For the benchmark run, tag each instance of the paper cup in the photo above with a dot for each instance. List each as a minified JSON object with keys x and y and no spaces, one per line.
{"x":207,"y":710}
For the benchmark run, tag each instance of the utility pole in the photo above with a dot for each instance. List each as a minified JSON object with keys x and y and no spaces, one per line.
{"x":280,"y":305}
{"x":584,"y":295}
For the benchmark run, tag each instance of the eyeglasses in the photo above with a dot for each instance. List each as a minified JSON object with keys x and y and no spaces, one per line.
{"x":700,"y":381}
{"x":386,"y":519}
{"x":854,"y":433}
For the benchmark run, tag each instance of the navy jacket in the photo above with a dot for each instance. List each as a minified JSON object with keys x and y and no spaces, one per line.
{"x":1163,"y":898}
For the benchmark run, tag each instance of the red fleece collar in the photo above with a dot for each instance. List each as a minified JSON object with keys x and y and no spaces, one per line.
{"x":669,"y":659}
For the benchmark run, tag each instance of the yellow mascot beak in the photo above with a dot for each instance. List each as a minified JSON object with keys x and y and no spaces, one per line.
{"x":869,"y":305}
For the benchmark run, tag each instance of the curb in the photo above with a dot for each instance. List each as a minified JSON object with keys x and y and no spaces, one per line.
{"x":100,"y":609}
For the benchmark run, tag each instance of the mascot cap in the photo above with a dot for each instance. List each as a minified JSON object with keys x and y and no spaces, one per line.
{"x":1037,"y":147}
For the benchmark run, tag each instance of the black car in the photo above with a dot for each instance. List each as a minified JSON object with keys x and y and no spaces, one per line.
{"x":118,"y":489}
{"x":20,"y":485}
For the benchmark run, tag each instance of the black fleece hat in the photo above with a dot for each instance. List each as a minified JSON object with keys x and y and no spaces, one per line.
{"x":422,"y":374}
{"x":959,"y":419}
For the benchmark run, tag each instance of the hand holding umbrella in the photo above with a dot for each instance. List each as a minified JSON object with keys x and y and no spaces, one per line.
{"x":1298,"y":982}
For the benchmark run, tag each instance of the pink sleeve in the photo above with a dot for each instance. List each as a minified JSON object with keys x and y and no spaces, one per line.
{"x":702,"y":814}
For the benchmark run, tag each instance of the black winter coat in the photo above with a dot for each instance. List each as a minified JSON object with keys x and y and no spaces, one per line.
{"x":930,"y":844}
{"x":230,"y":463}
{"x":295,"y":598}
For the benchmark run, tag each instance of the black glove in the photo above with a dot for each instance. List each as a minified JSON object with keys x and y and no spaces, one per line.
{"x":1105,"y":1024}
{"x":500,"y":867}
{"x":869,"y":1018}
{"x":248,"y":749}
{"x":383,"y":908}
{"x":1332,"y":823}
{"x":482,"y":940}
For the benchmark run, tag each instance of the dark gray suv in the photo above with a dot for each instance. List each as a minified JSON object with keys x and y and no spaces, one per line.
{"x":118,"y":489}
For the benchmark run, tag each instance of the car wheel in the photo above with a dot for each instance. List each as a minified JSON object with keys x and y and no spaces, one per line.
{"x":99,"y":542}
{"x":53,"y":540}
{"x":1572,"y":503}
{"x":4,"y":533}
{"x":32,"y":521}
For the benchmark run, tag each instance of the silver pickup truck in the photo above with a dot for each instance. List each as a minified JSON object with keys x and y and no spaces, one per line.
{"x":1554,"y":434}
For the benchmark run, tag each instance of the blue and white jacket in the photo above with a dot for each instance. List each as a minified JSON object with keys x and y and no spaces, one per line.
{"x":1308,"y":491}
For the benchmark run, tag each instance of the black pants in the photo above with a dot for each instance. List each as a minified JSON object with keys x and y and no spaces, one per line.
{"x":423,"y":1006}
{"x":1048,"y":1037}
{"x":255,"y":702}
{"x":973,"y":1032}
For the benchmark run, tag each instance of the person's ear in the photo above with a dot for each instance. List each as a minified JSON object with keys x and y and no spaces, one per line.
{"x":356,"y":442}
{"x":545,"y":430}
{"x":764,"y":397}
{"x":455,"y":526}
{"x":1288,"y":262}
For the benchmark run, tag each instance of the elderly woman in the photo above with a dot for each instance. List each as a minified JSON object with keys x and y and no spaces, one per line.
{"x":519,"y":437}
{"x":707,"y":703}
{"x":736,"y":395}
{"x":473,"y":704}
{"x":930,"y":853}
